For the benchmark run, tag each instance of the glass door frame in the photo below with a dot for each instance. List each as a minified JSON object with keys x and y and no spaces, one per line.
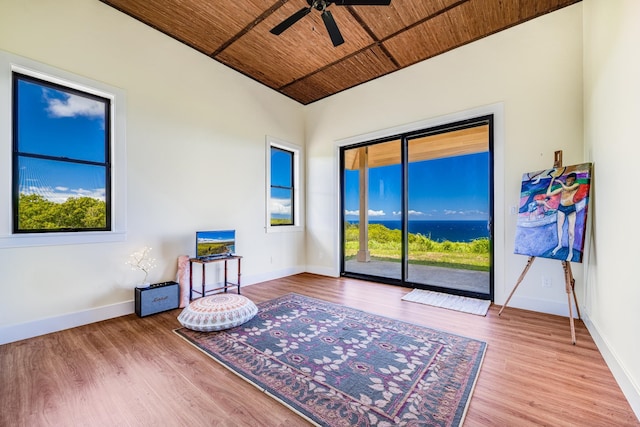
{"x":405,"y":137}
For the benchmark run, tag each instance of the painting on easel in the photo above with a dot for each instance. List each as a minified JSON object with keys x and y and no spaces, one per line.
{"x":552,"y":217}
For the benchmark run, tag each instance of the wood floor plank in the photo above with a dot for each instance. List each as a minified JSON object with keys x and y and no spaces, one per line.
{"x":130,"y":371}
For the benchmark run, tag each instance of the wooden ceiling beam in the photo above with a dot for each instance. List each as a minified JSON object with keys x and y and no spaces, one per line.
{"x":249,"y":27}
{"x":369,"y":31}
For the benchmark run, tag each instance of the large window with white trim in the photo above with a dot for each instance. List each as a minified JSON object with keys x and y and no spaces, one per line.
{"x":62,"y":156}
{"x":61,"y":167}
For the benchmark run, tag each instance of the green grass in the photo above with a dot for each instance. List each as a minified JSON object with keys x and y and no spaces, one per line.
{"x":385,"y":245}
{"x":208,"y":248}
{"x":281,"y":221}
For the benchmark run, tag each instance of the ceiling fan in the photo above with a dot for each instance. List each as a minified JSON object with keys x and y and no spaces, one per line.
{"x":327,"y":18}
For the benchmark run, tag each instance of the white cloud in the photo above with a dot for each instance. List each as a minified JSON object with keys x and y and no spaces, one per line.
{"x":96,"y":193}
{"x":474,"y":212}
{"x":281,"y":206}
{"x":469,"y":212}
{"x":74,"y":106}
{"x":411,"y":213}
{"x":61,"y":194}
{"x":370,"y":213}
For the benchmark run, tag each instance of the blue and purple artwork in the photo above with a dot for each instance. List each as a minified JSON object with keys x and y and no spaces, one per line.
{"x":552,"y":218}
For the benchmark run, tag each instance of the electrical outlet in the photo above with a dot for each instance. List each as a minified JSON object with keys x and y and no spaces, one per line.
{"x":546,"y":282}
{"x":514,"y":210}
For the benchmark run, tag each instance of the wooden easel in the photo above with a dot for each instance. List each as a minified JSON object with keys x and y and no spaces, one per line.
{"x":569,"y":281}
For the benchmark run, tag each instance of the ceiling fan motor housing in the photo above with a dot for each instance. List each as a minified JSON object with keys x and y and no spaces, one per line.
{"x":319,"y":4}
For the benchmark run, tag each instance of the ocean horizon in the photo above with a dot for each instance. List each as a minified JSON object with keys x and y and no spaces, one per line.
{"x":439,"y":231}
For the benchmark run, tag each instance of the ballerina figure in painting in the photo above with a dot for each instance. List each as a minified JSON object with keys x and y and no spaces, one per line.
{"x":566,"y":209}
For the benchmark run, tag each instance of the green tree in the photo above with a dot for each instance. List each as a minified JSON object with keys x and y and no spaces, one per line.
{"x":37,"y":213}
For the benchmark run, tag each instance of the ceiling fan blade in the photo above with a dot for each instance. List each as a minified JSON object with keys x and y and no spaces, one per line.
{"x":278,"y":29}
{"x":362,"y":2}
{"x":332,"y":28}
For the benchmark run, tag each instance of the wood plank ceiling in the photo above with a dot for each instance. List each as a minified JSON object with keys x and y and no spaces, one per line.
{"x":302,"y":63}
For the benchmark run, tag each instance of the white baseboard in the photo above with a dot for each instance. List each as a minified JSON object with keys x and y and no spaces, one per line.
{"x":21,"y":331}
{"x":38,"y":327}
{"x":630,"y":390}
{"x":621,"y":375}
{"x":542,"y":306}
{"x":323,"y":271}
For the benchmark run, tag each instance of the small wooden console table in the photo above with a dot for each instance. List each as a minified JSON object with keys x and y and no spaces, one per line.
{"x":204,"y":261}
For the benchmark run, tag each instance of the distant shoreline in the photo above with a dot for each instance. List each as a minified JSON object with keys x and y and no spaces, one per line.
{"x":440,"y":230}
{"x":355,"y":221}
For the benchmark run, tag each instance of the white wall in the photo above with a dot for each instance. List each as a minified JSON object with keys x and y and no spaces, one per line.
{"x":195,"y":160}
{"x":611,"y":114}
{"x":532,"y":71}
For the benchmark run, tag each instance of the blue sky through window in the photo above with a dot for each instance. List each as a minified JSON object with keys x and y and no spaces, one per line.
{"x":281,"y":176}
{"x":452,"y":188}
{"x":59,"y":123}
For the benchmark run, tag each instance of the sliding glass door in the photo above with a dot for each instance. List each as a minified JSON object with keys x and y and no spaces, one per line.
{"x":416,"y":209}
{"x":448,"y":210}
{"x":373,"y":201}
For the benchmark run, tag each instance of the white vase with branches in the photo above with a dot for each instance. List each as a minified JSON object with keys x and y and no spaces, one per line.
{"x":142,"y":260}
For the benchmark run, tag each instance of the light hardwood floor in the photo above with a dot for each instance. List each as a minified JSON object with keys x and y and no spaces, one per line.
{"x":136,"y":372}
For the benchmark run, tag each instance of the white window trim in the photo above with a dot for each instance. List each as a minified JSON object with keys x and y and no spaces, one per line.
{"x":298,"y":183}
{"x":10,"y":63}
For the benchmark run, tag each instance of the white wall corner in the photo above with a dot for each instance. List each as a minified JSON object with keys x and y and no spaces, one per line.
{"x":629,"y":388}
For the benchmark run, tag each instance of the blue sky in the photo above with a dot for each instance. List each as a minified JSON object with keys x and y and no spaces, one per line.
{"x":281,"y":175}
{"x":216,"y":236}
{"x":453,"y":188}
{"x":58,"y":123}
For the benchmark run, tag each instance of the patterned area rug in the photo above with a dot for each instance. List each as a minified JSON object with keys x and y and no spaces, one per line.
{"x":452,"y":302}
{"x":338,"y":366}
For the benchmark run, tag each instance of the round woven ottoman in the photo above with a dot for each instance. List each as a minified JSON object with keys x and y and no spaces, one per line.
{"x":217,"y":312}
